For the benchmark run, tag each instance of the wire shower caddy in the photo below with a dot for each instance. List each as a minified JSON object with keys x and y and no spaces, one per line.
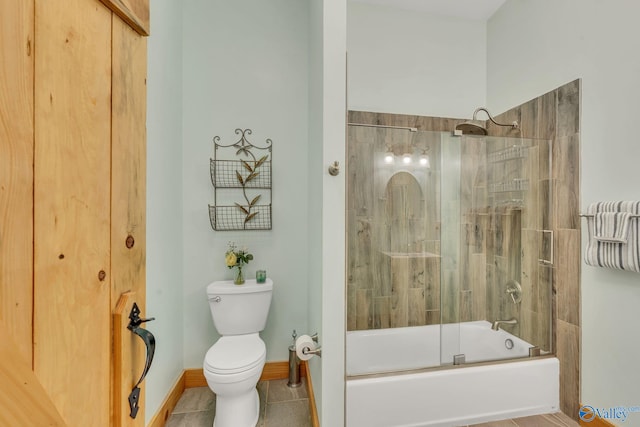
{"x":241,"y":173}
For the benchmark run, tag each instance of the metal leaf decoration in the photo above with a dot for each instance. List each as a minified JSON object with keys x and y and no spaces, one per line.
{"x":242,"y":208}
{"x":247,"y":166}
{"x":243,"y":182}
{"x":255,"y":200}
{"x":250,"y":217}
{"x":260,"y":162}
{"x":240,"y":180}
{"x":252,"y":176}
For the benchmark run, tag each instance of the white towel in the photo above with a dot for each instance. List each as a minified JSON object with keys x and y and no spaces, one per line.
{"x":614,"y":235}
{"x":611,"y":226}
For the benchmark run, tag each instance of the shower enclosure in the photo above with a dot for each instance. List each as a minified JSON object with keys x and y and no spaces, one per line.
{"x":445,"y":237}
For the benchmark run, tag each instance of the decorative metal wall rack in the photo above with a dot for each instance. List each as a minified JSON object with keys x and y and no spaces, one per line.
{"x":241,"y":177}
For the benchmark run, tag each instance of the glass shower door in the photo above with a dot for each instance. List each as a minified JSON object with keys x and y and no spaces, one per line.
{"x":393,"y":235}
{"x":496,"y":248}
{"x":448,"y":237}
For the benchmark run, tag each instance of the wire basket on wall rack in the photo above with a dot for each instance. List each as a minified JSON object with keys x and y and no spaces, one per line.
{"x":241,"y":176}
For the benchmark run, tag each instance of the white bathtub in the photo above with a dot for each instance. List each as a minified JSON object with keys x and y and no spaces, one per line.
{"x":416,"y":347}
{"x":446,"y":397}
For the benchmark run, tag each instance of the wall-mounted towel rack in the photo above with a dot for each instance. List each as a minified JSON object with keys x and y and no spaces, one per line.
{"x":614,"y":235}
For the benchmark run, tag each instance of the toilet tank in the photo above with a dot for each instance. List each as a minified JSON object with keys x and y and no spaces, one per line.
{"x":239,"y":309}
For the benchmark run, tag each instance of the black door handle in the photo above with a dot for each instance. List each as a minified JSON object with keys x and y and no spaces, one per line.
{"x":150,"y":344}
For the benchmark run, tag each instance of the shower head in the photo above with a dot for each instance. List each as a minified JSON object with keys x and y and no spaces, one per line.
{"x":471,"y":128}
{"x":475,"y":127}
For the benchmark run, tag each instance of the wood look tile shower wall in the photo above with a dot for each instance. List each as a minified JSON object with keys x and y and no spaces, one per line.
{"x":556,"y":116}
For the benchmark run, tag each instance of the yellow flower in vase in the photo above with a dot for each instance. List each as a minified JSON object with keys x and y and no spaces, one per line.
{"x":231,"y":259}
{"x":237,"y":258}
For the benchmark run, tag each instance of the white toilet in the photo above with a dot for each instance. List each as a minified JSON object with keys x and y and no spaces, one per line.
{"x":234,"y":363}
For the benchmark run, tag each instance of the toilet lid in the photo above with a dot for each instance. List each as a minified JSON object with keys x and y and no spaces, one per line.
{"x":239,"y":353}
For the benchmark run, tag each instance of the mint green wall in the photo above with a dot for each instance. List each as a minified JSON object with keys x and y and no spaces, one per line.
{"x":314,"y":274}
{"x":164,"y":199}
{"x":245,"y":65}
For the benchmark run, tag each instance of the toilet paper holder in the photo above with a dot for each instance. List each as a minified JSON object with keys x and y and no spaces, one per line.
{"x":317,"y":351}
{"x":311,"y":349}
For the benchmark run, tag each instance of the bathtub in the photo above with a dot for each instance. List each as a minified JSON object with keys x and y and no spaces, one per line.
{"x":444,"y":397}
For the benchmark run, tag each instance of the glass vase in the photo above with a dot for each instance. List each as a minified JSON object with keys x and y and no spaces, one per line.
{"x":239,"y":280}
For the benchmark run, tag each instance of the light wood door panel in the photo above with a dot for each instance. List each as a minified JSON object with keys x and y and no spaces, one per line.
{"x":23,"y":401}
{"x":128,"y":175}
{"x":72,"y":311}
{"x":16,"y":170}
{"x":128,"y":199}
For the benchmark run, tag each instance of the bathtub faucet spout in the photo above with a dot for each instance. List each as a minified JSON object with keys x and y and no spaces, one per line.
{"x":497,"y":323}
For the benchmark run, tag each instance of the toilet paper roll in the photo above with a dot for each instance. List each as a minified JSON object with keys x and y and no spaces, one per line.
{"x":304,"y":341}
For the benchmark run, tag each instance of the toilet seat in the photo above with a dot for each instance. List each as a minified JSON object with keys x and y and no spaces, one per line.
{"x":235,"y":354}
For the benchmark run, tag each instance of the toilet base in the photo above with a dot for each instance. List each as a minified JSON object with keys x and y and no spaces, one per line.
{"x":238,"y":411}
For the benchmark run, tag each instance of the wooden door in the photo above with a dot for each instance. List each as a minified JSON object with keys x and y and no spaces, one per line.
{"x":72,"y":195}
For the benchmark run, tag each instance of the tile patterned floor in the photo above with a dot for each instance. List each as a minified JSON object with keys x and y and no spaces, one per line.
{"x":549,"y":420}
{"x":280,"y":406}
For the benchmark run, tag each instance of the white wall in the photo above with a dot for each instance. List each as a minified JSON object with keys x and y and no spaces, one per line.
{"x":245,"y":65}
{"x":334,"y":41}
{"x":164,"y":199}
{"x":410,"y":62}
{"x":536,"y":46}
